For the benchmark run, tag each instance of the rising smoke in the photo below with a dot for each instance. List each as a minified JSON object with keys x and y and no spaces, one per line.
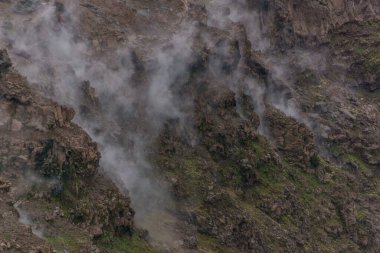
{"x":49,"y":50}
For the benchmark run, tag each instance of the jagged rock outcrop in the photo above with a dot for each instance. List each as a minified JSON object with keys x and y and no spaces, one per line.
{"x":39,"y":140}
{"x":244,"y":176}
{"x":293,"y":139}
{"x":298,"y":22}
{"x":5,"y":63}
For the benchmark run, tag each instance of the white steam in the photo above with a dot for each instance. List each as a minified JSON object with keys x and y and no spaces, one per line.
{"x":47,"y":48}
{"x":24,"y":218}
{"x":278,"y":91}
{"x":222,"y":12}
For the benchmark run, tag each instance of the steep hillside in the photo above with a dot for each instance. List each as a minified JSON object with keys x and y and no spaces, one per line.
{"x":200,"y":126}
{"x":51,"y":188}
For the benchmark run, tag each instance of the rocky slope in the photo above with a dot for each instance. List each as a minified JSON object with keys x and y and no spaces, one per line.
{"x":51,"y":186}
{"x":236,"y":126}
{"x":309,"y":22}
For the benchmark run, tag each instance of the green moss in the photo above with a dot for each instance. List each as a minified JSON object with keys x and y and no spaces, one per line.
{"x":288,"y":221}
{"x":230,"y":174}
{"x":269,"y":175}
{"x":363,"y":167}
{"x":327,"y":247}
{"x":256,"y":147}
{"x":254,"y":181}
{"x":132,"y":244}
{"x":306,"y":185}
{"x":72,"y":243}
{"x":192,"y":178}
{"x":361,"y":214}
{"x":370,"y":56}
{"x":347,"y":157}
{"x":66,"y":200}
{"x":192,"y":168}
{"x":340,"y":245}
{"x":373,"y":24}
{"x":372,"y":63}
{"x":363,"y":48}
{"x":207,"y":244}
{"x":323,"y":161}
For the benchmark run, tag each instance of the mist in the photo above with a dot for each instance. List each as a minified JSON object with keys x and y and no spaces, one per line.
{"x":47,"y":48}
{"x":25,"y":219}
{"x":278,"y":89}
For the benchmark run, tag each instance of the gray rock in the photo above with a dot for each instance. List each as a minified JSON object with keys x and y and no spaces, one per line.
{"x":191,"y":242}
{"x":5,"y":62}
{"x":26,"y":6}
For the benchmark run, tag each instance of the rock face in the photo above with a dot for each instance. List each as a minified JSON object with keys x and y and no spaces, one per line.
{"x":5,"y":63}
{"x":270,"y":151}
{"x":307,"y":22}
{"x":244,"y":191}
{"x":294,"y":140}
{"x":39,"y":140}
{"x":26,"y":6}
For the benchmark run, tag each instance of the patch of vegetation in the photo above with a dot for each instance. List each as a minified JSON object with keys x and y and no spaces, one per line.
{"x":230,"y":174}
{"x":306,"y":185}
{"x":66,"y":199}
{"x":192,"y":168}
{"x":71,"y":243}
{"x":363,"y":167}
{"x":360,"y":43}
{"x":335,"y":150}
{"x":374,"y":24}
{"x":361,"y":214}
{"x":133,"y":244}
{"x":189,"y":173}
{"x":269,"y":175}
{"x":207,"y":244}
{"x":273,"y":194}
{"x":256,"y":147}
{"x":372,"y":63}
{"x":370,"y":56}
